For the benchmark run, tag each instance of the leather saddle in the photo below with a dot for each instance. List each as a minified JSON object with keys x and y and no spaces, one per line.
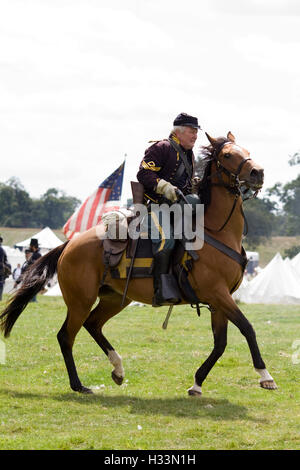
{"x":134,"y":258}
{"x":117,"y":257}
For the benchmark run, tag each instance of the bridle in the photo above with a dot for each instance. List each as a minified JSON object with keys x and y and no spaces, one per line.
{"x":234,"y":185}
{"x":234,"y":181}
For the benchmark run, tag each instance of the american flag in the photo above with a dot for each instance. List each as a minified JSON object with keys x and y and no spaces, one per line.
{"x":106,"y":198}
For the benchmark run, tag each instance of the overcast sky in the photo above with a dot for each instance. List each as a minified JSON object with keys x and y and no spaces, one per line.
{"x":84,"y":82}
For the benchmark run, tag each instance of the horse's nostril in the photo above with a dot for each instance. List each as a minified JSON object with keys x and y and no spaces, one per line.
{"x":257,"y":175}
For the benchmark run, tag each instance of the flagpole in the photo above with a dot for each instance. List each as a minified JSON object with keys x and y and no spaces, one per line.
{"x":125,"y":156}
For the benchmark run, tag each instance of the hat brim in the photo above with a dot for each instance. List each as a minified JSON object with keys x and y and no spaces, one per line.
{"x":189,"y":124}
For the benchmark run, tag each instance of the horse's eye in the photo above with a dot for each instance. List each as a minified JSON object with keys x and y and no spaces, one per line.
{"x":227,"y":155}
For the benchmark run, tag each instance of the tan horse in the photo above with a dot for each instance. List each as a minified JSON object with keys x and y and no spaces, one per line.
{"x":214,"y":276}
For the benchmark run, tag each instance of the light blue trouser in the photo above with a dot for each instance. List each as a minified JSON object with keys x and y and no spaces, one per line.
{"x":162,"y":237}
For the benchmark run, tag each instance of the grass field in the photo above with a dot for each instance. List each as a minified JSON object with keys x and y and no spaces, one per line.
{"x":274,"y":245}
{"x":151,"y":410}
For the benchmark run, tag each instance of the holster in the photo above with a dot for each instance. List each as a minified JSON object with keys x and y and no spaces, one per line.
{"x":113,"y":251}
{"x":137,"y":192}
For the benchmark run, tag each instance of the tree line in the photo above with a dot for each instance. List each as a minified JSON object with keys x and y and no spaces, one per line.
{"x":18,"y":209}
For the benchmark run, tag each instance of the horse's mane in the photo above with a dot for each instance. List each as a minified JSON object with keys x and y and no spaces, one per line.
{"x":206,"y":156}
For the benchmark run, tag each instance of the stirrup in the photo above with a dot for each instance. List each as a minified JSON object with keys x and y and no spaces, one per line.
{"x":159,"y":301}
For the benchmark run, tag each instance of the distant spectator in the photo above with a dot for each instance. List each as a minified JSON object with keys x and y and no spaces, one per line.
{"x":24,"y":266}
{"x":5,"y":268}
{"x":35,"y":250}
{"x":16,"y":274}
{"x":32,"y":254}
{"x":250,"y":266}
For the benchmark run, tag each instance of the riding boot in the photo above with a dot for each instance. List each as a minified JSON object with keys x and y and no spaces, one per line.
{"x":166,"y":291}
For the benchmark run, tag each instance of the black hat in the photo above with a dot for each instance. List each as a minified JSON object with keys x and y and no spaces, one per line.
{"x":34,"y":242}
{"x":184,"y":119}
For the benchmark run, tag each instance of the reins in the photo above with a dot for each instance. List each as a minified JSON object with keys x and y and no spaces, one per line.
{"x":233,"y":186}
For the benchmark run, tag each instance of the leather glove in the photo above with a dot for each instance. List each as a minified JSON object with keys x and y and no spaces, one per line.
{"x":167,"y":189}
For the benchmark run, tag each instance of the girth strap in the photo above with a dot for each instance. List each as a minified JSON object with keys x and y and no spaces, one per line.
{"x":238,"y":257}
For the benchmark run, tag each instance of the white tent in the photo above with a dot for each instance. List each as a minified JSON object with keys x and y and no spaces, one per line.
{"x":277,"y":283}
{"x":8,"y":286}
{"x":243,"y":288}
{"x":295,"y":262}
{"x":14,"y":256}
{"x":54,"y":291}
{"x":46,"y":239}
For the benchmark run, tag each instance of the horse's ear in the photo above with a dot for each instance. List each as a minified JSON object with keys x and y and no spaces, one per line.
{"x":231,"y":137}
{"x":211,"y":139}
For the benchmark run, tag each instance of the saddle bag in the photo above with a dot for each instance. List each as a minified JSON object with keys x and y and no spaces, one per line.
{"x":113,"y":251}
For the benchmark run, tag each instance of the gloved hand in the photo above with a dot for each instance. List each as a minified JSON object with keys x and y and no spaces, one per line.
{"x":167,"y":189}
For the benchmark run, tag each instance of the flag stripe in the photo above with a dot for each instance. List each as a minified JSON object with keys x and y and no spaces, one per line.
{"x":79,"y":217}
{"x":87,"y":211}
{"x":105,"y":198}
{"x":96,"y":201}
{"x":94,"y":216}
{"x":67,"y":225}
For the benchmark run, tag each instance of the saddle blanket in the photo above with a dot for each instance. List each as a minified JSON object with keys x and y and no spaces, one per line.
{"x":143,"y":261}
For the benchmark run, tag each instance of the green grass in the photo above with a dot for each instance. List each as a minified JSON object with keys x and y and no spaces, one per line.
{"x":151,"y":410}
{"x":11,"y":236}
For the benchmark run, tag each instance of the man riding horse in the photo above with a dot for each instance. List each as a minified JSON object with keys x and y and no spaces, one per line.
{"x":168,"y":165}
{"x":216,"y":273}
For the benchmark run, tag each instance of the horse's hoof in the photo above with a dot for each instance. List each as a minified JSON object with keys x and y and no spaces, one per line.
{"x":85,"y":390}
{"x":194,"y":393}
{"x":116,"y":378}
{"x":268,"y":384}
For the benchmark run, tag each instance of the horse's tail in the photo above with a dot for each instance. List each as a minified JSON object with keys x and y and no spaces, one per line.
{"x":35,"y":278}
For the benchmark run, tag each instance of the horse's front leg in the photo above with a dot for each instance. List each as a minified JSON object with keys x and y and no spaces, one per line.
{"x":228,"y":310}
{"x":235,"y":315}
{"x":219,"y":327}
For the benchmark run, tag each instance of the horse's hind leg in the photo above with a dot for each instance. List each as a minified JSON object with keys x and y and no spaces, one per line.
{"x":108,"y":306}
{"x":66,"y":337}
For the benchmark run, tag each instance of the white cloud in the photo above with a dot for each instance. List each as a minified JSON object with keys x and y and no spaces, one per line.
{"x":257,"y":7}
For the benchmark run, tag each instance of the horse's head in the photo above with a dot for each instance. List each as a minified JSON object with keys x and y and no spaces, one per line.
{"x":234,"y":161}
